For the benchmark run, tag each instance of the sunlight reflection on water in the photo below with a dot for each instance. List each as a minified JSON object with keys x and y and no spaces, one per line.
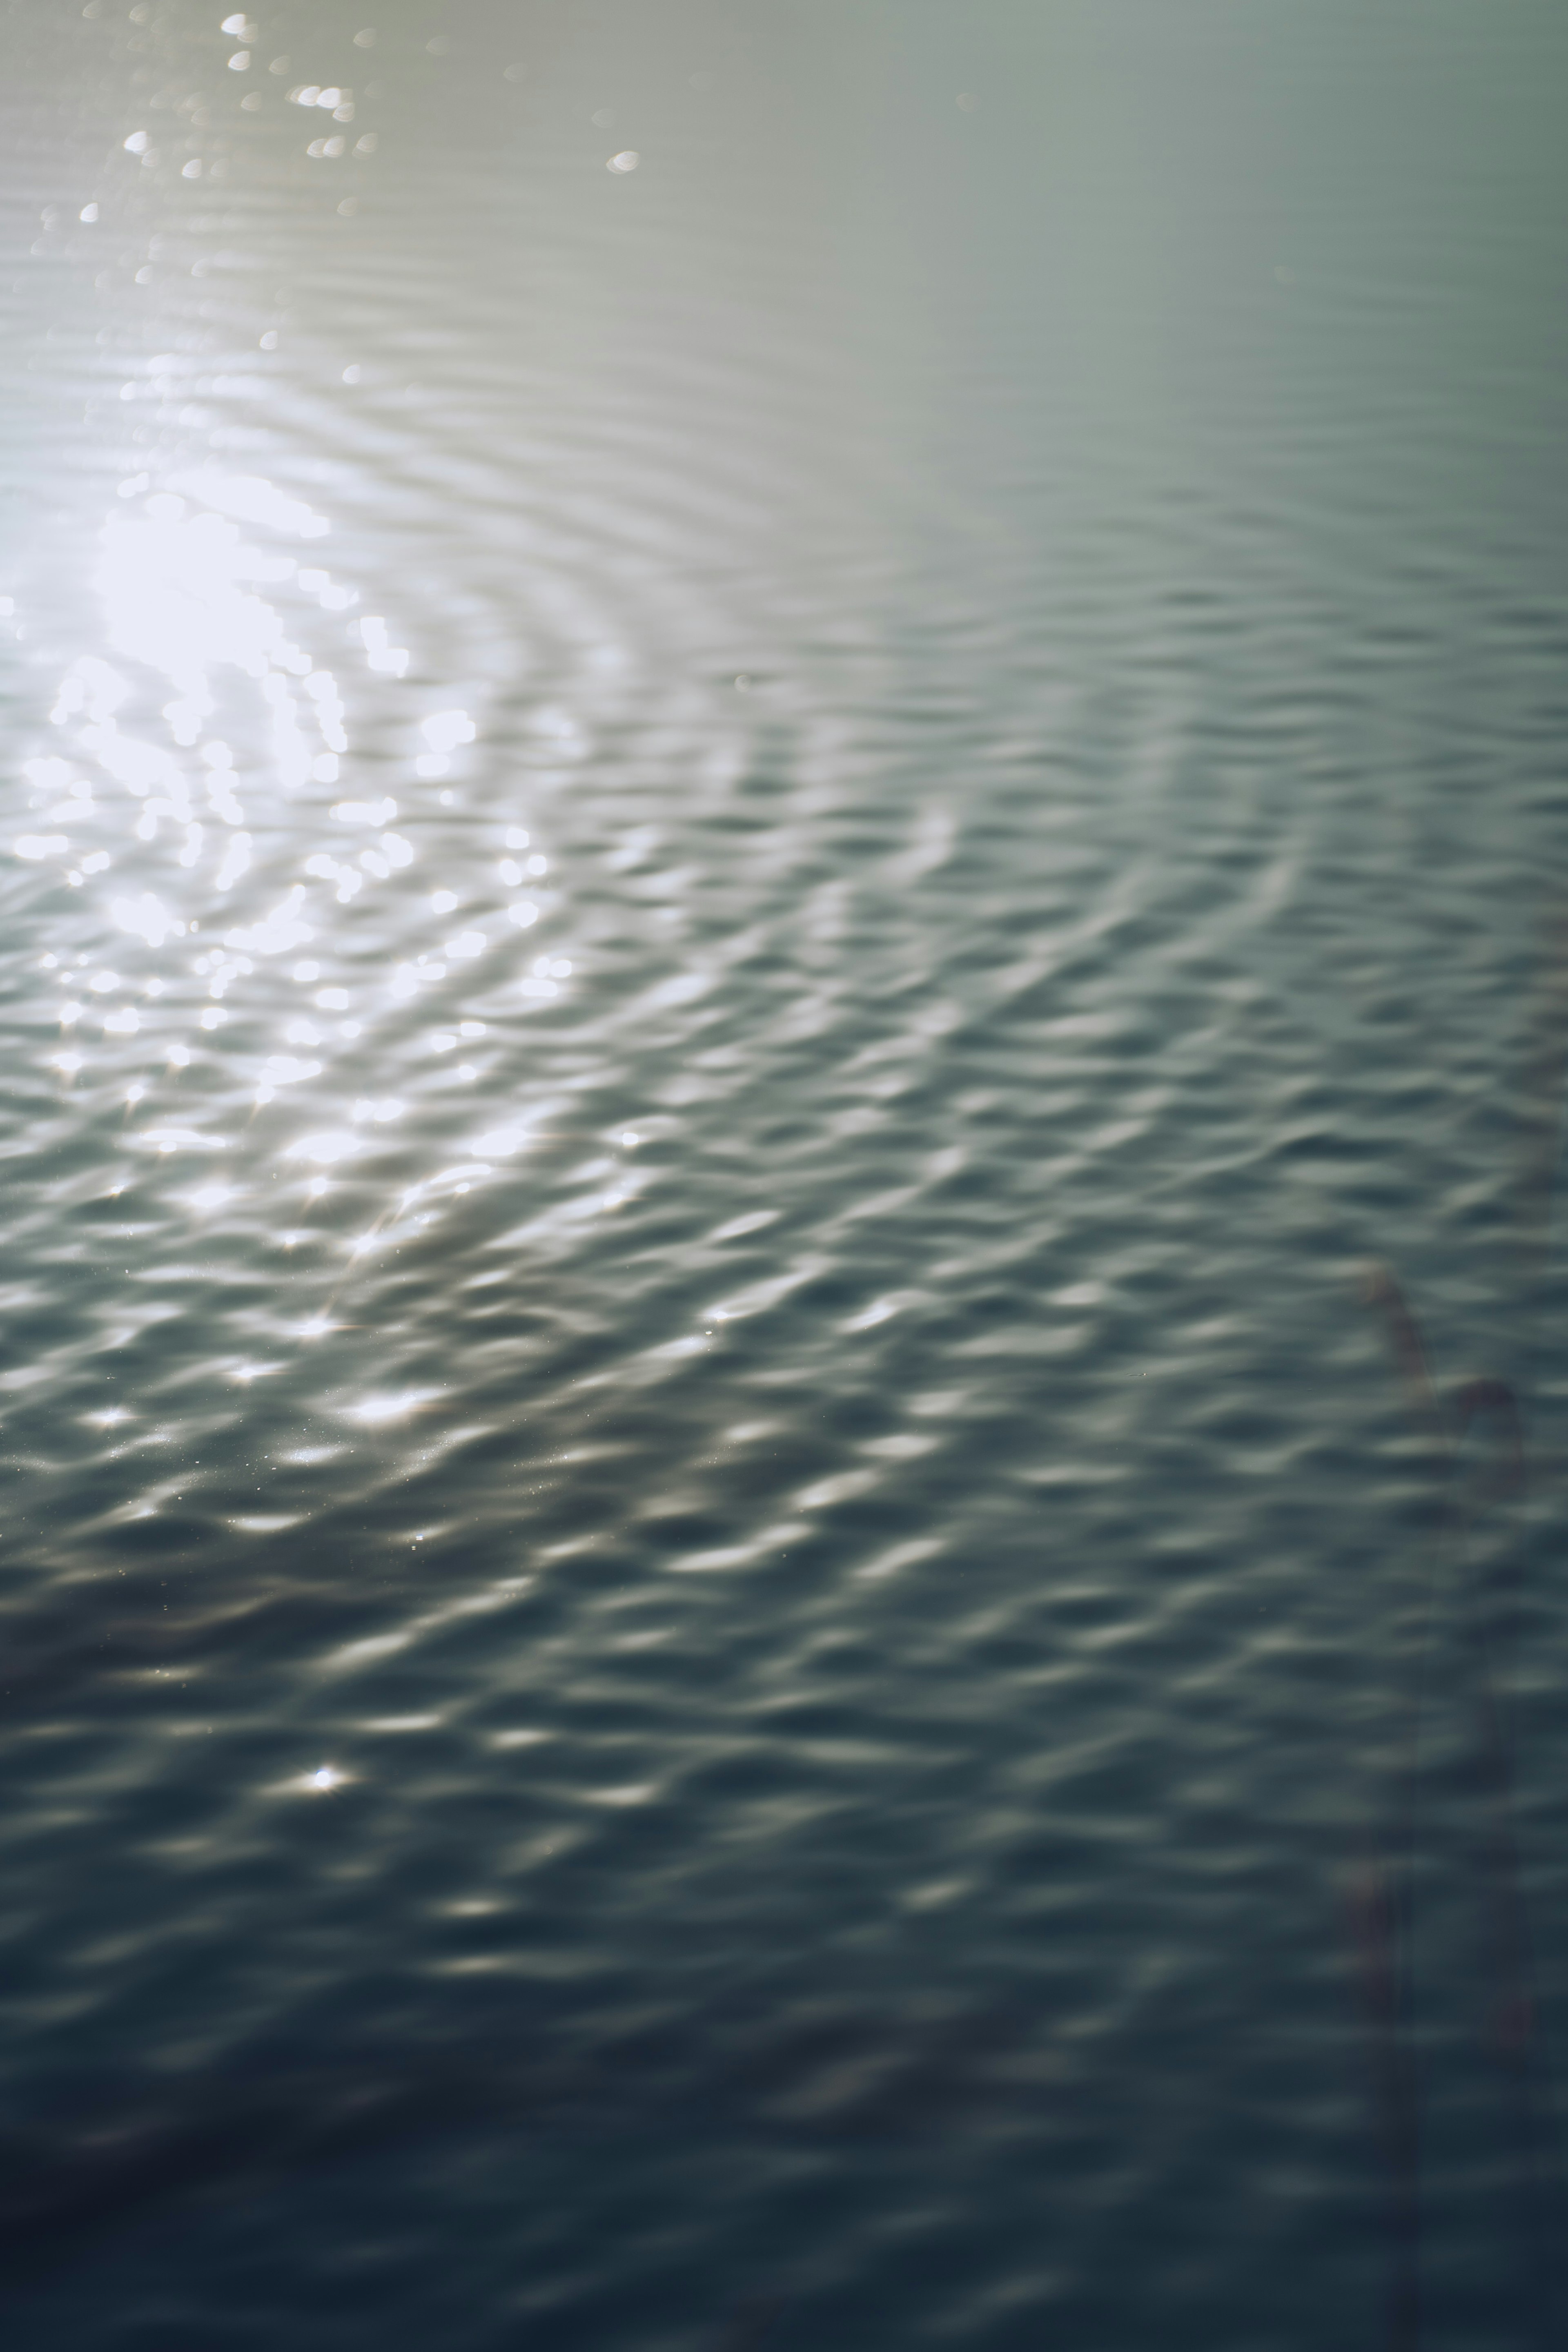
{"x":221,"y":856}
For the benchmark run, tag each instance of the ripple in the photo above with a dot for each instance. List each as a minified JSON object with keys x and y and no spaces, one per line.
{"x":734,"y":896}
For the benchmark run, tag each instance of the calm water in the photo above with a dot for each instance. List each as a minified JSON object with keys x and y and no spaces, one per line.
{"x":773,"y":776}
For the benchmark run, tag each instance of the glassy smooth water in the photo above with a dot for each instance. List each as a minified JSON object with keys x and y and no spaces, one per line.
{"x":774,"y":778}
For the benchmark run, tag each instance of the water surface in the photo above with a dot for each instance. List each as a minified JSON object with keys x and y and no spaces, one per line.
{"x":773,"y":778}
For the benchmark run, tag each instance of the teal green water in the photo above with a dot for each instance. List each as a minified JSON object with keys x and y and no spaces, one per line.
{"x":774,"y":778}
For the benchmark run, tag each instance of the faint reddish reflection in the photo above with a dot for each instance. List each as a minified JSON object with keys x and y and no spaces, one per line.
{"x":1380,"y":1897}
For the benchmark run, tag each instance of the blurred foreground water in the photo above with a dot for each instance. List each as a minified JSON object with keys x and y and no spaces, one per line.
{"x":773,"y":777}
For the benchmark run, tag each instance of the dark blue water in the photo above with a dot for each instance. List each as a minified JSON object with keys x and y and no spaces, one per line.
{"x":776,"y":778}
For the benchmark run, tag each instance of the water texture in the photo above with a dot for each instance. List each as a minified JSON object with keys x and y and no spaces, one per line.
{"x":773,"y":779}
